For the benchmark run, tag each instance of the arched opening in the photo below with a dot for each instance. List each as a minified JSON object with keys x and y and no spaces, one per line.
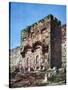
{"x":37,"y":45}
{"x":26,"y":48}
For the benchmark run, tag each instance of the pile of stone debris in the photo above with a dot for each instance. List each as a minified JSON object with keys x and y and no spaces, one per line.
{"x":50,"y":77}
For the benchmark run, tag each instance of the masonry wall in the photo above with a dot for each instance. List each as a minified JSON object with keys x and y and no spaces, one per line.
{"x":41,"y":44}
{"x":56,"y":60}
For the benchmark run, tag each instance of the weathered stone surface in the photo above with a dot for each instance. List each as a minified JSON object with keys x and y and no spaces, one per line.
{"x":15,"y":56}
{"x":41,"y":48}
{"x":40,"y":39}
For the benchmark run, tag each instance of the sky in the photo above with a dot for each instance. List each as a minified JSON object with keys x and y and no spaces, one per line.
{"x":22,"y":15}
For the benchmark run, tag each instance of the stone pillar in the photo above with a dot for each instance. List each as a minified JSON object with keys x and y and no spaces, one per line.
{"x":45,"y":78}
{"x":29,"y":69}
{"x":35,"y":68}
{"x":43,"y":68}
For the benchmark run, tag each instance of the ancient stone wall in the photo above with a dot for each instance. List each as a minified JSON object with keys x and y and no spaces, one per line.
{"x":56,"y":43}
{"x":16,"y":57}
{"x":37,"y":37}
{"x":41,"y":44}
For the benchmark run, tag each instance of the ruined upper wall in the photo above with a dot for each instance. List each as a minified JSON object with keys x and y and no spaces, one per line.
{"x":39,"y":26}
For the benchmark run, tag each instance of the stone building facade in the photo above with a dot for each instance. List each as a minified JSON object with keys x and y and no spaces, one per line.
{"x":41,"y":45}
{"x":63,"y":29}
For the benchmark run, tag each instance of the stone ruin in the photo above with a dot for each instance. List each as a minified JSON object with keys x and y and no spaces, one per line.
{"x":39,"y":56}
{"x":41,"y":45}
